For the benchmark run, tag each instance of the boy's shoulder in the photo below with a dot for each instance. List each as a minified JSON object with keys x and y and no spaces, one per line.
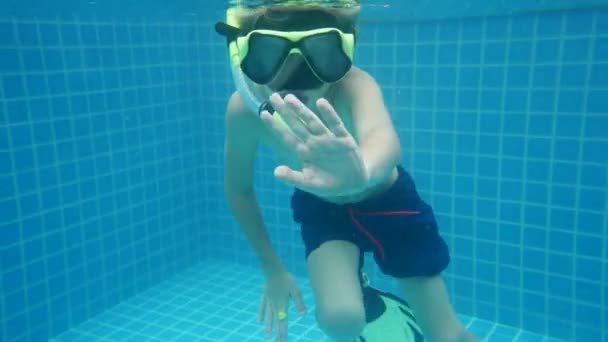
{"x":239,"y":116}
{"x":355,"y":83}
{"x":236,"y":106}
{"x":356,"y":73}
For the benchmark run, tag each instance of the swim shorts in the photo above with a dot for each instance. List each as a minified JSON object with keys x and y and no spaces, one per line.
{"x":396,"y":225}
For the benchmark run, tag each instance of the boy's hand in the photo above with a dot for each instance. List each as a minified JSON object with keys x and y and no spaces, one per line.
{"x":331,"y":160}
{"x":275,"y":299}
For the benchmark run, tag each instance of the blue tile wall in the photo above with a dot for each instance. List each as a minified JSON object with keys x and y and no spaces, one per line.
{"x":104,"y":137}
{"x":111,"y":179}
{"x":503,"y":123}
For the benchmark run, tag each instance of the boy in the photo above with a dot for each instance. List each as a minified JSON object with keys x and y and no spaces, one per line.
{"x":342,"y":153}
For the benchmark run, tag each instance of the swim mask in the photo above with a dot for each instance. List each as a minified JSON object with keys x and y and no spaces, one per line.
{"x":327,"y":50}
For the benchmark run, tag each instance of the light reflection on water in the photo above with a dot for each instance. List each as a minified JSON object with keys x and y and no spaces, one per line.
{"x":325,"y":3}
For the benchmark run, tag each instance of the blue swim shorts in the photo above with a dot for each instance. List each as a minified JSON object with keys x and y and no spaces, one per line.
{"x":396,"y":225}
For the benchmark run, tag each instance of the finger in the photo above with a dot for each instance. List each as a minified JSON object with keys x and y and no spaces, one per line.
{"x":282,"y":329}
{"x":289,"y":139}
{"x":296,"y":294}
{"x":311,"y":120}
{"x":290,"y":117}
{"x":331,"y":118}
{"x":280,"y":317}
{"x":292,"y":177}
{"x":269,"y":320}
{"x":261,"y":309}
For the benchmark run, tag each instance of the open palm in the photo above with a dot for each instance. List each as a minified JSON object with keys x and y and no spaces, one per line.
{"x":330,"y":157}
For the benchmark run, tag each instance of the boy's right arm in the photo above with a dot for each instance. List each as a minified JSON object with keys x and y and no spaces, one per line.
{"x":240,"y":148}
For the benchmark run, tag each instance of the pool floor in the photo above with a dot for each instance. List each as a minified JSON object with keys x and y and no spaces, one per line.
{"x":217,"y":301}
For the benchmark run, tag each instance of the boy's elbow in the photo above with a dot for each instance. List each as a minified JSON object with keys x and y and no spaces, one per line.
{"x":396,"y":147}
{"x":235,"y":188}
{"x":382,"y":141}
{"x":390,"y":147}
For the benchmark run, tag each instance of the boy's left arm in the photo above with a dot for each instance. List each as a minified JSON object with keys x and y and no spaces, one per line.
{"x":377,"y":139}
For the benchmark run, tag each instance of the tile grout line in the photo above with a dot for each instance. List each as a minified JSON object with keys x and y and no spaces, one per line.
{"x":12,"y":174}
{"x":19,"y":222}
{"x":552,"y":143}
{"x":524,"y":181}
{"x":477,"y":133}
{"x":501,"y":128}
{"x":584,"y":110}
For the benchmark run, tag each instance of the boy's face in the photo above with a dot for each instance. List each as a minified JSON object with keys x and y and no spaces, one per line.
{"x":295,"y":77}
{"x":294,"y":73}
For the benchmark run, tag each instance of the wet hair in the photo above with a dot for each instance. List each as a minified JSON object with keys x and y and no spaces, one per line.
{"x":299,"y":18}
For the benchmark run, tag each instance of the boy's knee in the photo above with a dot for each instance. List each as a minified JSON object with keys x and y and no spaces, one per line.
{"x":342,"y":322}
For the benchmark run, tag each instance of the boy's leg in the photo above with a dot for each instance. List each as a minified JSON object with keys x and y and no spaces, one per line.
{"x":429,"y":300}
{"x":333,"y":269}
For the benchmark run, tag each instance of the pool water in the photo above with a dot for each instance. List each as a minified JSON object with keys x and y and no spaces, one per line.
{"x":113,"y":222}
